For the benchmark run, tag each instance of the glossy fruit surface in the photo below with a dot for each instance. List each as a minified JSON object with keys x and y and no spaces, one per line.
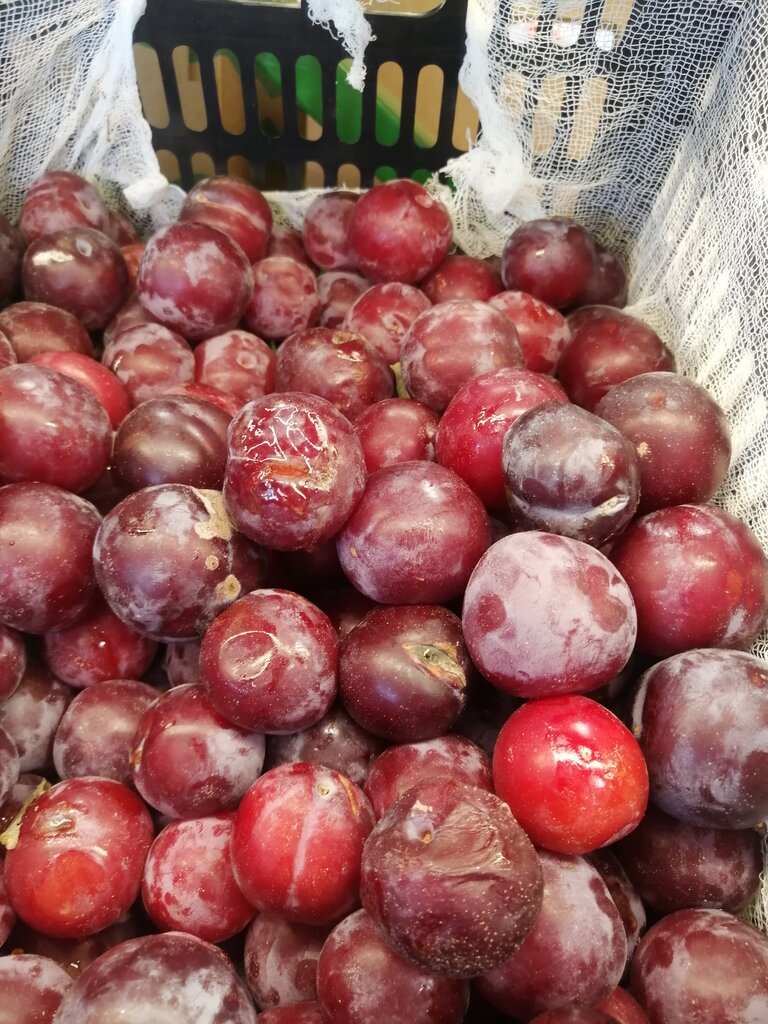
{"x":396,"y":430}
{"x":462,"y":277}
{"x":572,"y":773}
{"x":97,"y":378}
{"x":293,"y":822}
{"x":405,"y":765}
{"x":77,"y":865}
{"x":60,"y":199}
{"x":79,"y":270}
{"x":233,"y":206}
{"x":607,"y":347}
{"x":175,"y":439}
{"x":95,"y":733}
{"x":97,"y":647}
{"x":335,"y":741}
{"x":36,"y":327}
{"x":295,"y":471}
{"x":337,"y":365}
{"x":542,"y":331}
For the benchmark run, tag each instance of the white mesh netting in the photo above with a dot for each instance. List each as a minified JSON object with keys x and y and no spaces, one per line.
{"x":69,"y":99}
{"x":655,"y":136}
{"x":686,"y":209}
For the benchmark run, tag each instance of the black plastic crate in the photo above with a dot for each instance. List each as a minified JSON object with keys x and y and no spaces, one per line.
{"x":278,"y":158}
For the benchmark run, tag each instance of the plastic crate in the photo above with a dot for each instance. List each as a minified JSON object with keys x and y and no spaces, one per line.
{"x":275,"y":59}
{"x":329,"y":134}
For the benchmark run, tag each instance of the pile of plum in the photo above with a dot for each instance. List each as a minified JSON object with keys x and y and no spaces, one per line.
{"x":371,"y":648}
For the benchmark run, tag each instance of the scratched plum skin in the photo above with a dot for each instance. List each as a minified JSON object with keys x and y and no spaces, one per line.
{"x":269,"y":662}
{"x":546,"y":615}
{"x":77,"y":865}
{"x":403,"y":672}
{"x":295,"y":471}
{"x":168,"y":560}
{"x":282,"y":869}
{"x":451,"y":878}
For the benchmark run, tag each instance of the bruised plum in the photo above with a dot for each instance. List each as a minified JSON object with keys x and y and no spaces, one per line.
{"x":451,"y":878}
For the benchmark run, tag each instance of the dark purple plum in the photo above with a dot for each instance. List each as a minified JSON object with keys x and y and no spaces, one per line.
{"x":451,"y":878}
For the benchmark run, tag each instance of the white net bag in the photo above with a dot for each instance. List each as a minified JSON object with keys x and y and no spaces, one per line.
{"x":69,"y":99}
{"x":647,"y":121}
